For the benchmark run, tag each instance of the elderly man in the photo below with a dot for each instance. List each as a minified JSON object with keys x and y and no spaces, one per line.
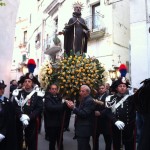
{"x":28,"y":102}
{"x":84,"y":120}
{"x":122,"y":113}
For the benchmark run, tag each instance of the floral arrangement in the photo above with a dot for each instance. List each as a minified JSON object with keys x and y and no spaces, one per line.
{"x":75,"y":71}
{"x":72,"y":72}
{"x":2,"y":3}
{"x":45,"y":74}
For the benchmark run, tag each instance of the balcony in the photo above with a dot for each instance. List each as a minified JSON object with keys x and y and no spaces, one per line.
{"x":51,"y":6}
{"x":96,"y":26}
{"x":52,"y":45}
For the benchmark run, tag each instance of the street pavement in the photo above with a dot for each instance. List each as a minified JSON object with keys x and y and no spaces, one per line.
{"x":69,"y":143}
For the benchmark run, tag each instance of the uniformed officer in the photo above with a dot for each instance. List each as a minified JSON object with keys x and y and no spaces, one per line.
{"x":28,"y":103}
{"x":7,"y":121}
{"x":121,"y":110}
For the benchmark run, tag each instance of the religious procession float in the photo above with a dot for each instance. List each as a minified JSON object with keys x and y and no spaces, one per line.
{"x":72,"y":72}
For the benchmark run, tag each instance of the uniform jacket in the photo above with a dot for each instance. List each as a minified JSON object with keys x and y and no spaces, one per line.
{"x":103,"y":121}
{"x":7,"y":124}
{"x":84,"y":117}
{"x":33,"y":107}
{"x":125,"y":112}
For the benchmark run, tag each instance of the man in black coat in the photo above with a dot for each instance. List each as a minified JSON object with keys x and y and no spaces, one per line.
{"x":28,"y":103}
{"x":84,"y":118}
{"x":54,"y":109}
{"x":76,"y":33}
{"x":102,"y":122}
{"x":121,"y":110}
{"x":142,"y":102}
{"x":7,"y":121}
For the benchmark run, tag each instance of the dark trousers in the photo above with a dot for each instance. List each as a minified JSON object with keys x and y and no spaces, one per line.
{"x":54,"y":137}
{"x":107,"y":139}
{"x":67,"y":119}
{"x":83,"y":143}
{"x":3,"y":145}
{"x":27,"y":136}
{"x":126,"y":137}
{"x":144,"y":144}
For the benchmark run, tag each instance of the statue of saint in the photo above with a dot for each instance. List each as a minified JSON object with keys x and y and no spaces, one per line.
{"x":76,"y":33}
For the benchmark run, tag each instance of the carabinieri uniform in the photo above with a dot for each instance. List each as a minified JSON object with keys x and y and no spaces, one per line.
{"x":125,"y":112}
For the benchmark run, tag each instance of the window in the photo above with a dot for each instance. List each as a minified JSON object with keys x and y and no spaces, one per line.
{"x":56,"y":24}
{"x":38,"y":40}
{"x":29,"y":48}
{"x":96,"y":16}
{"x":38,"y":61}
{"x":24,"y":58}
{"x":25,"y":37}
{"x":30,"y":18}
{"x":38,"y":37}
{"x":28,"y":51}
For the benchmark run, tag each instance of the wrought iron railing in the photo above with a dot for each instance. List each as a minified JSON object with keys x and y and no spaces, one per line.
{"x":51,"y":42}
{"x":95,"y":22}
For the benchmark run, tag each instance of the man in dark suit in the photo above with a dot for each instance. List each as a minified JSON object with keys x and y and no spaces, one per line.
{"x":102,"y":122}
{"x":54,"y":109}
{"x":84,"y":118}
{"x":142,"y":102}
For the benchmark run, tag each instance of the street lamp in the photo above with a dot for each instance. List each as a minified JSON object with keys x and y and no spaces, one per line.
{"x":114,"y":72}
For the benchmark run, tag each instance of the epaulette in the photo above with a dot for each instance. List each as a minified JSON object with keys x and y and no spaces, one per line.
{"x":16,"y":92}
{"x":41,"y":93}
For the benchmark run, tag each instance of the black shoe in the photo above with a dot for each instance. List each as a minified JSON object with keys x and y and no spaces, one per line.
{"x":75,"y":137}
{"x":46,"y":138}
{"x":67,"y":129}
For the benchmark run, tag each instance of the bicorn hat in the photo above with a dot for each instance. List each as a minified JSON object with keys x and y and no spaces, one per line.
{"x":2,"y":84}
{"x":31,"y":66}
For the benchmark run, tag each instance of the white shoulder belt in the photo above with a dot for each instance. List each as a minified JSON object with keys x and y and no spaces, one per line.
{"x":23,"y":101}
{"x":113,"y":104}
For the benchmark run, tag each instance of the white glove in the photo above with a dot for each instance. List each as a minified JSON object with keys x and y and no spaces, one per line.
{"x":24,"y":117}
{"x":41,"y":93}
{"x":15,"y":92}
{"x":120,"y":124}
{"x":25,"y":123}
{"x":1,"y":137}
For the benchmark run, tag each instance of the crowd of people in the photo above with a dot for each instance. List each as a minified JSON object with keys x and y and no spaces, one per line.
{"x":111,"y":115}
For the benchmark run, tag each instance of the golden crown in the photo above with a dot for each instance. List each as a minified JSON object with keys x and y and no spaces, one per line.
{"x":78,"y":4}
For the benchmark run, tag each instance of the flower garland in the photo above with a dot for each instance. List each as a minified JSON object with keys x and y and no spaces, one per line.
{"x":75,"y":71}
{"x":45,"y":74}
{"x":72,"y":72}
